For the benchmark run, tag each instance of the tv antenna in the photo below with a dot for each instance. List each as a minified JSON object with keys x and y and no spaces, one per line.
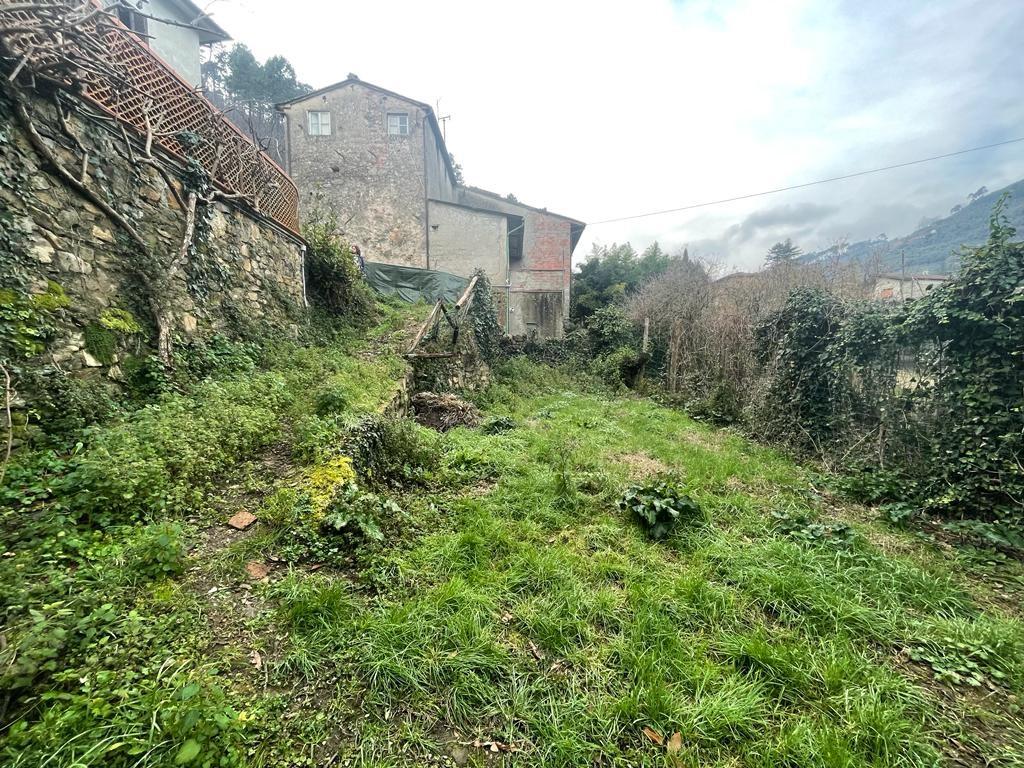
{"x":442,"y":119}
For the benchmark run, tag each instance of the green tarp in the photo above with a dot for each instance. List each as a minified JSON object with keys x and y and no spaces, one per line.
{"x":412,"y":284}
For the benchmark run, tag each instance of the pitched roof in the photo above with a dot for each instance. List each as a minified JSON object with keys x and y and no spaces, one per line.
{"x":353,"y":80}
{"x":504,"y":199}
{"x":432,"y":119}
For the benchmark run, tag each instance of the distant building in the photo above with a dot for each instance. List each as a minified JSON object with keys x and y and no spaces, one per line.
{"x":379,"y":161}
{"x":897,"y":287}
{"x":176,"y":31}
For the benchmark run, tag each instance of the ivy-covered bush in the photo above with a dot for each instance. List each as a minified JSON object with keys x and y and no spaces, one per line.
{"x":805,"y":393}
{"x":971,"y":332}
{"x":333,"y":279}
{"x":483,"y":318}
{"x":392,"y":451}
{"x":617,"y":368}
{"x":952,"y":440}
{"x":828,"y":387}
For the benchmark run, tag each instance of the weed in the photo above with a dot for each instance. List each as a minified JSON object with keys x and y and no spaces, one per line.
{"x":357,"y":514}
{"x":282,"y":509}
{"x":498,"y":425}
{"x":158,"y":552}
{"x":804,"y":528}
{"x":659,"y":506}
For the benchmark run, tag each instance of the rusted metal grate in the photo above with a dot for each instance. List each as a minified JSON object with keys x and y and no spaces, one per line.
{"x":92,"y":52}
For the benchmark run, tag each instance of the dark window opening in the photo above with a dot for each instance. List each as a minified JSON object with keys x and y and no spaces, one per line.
{"x":135,"y":21}
{"x":516,"y":225}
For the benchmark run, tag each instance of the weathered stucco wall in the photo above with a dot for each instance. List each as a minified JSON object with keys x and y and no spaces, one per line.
{"x":177,"y":45}
{"x":440,"y":185}
{"x":539,"y":282}
{"x":374,"y":182}
{"x":462,"y":240}
{"x":243,"y":269}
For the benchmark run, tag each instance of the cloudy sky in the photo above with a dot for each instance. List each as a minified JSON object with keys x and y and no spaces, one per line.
{"x":600,"y":110}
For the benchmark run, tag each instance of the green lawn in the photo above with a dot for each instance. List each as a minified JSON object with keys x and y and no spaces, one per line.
{"x":514,"y":616}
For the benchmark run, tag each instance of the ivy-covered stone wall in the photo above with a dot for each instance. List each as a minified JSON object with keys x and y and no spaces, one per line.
{"x":238,"y":267}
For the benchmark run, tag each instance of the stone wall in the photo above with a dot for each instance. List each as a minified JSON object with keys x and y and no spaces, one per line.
{"x":374,"y":182}
{"x":243,"y":268}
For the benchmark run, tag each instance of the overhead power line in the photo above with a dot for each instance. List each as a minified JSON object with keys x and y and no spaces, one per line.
{"x":808,"y":184}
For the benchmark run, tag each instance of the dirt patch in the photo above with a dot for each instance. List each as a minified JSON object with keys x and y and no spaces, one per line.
{"x":708,"y":441}
{"x":444,"y":412}
{"x":640,"y":464}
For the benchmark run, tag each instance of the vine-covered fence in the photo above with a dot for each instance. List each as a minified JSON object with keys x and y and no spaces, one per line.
{"x":82,"y":46}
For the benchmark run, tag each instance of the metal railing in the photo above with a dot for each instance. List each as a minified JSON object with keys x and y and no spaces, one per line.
{"x":89,"y":51}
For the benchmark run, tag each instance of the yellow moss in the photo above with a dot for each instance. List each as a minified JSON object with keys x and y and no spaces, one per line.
{"x":324,"y":479}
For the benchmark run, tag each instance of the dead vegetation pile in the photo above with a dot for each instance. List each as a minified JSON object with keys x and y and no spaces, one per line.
{"x":444,"y":412}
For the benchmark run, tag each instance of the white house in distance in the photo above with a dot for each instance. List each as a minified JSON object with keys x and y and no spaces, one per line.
{"x":175,"y":30}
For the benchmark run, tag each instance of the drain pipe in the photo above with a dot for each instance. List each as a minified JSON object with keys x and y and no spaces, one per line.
{"x":302,"y":272}
{"x":508,"y":278}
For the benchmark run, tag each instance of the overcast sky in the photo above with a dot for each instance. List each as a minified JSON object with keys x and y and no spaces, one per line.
{"x":599,"y":110}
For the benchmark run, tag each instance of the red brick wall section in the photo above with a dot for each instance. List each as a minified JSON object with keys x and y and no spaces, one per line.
{"x":548,"y":244}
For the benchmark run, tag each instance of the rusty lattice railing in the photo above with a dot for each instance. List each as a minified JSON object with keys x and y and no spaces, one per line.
{"x":83,"y":48}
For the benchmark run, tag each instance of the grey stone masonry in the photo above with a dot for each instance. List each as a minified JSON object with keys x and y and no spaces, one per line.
{"x":246,"y":265}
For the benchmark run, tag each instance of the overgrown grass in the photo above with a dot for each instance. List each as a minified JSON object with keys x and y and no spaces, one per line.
{"x":103,"y":659}
{"x":514,"y":605}
{"x":559,"y":628}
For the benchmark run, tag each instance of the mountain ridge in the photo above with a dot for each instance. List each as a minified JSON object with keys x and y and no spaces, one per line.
{"x":934,"y":247}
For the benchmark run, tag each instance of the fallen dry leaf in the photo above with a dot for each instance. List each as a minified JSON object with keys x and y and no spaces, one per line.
{"x":492,"y":746}
{"x":255,"y":659}
{"x":257,"y":570}
{"x":654,"y":736}
{"x":537,"y":653}
{"x":675,"y":743}
{"x":242,"y":520}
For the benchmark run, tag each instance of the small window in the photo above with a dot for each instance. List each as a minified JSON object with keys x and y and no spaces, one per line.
{"x":319,"y":123}
{"x":135,"y":21}
{"x":398,"y":124}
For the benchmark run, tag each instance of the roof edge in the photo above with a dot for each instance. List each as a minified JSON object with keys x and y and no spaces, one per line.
{"x":488,"y":211}
{"x":502,"y":198}
{"x":431,"y":117}
{"x":201,"y":20}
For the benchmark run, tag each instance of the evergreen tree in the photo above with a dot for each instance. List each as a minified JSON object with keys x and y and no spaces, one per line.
{"x":783,"y":253}
{"x":610,"y":273}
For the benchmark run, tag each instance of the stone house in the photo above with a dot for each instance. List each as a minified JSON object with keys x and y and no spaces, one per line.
{"x":897,"y":287}
{"x":176,"y":31}
{"x":379,"y":161}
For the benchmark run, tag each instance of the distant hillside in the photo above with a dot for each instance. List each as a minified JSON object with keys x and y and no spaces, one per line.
{"x":934,"y":247}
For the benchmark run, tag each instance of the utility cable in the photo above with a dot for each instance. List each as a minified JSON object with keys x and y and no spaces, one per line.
{"x":807,"y":184}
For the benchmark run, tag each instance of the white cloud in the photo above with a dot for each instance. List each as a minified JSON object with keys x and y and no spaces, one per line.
{"x":601,"y":110}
